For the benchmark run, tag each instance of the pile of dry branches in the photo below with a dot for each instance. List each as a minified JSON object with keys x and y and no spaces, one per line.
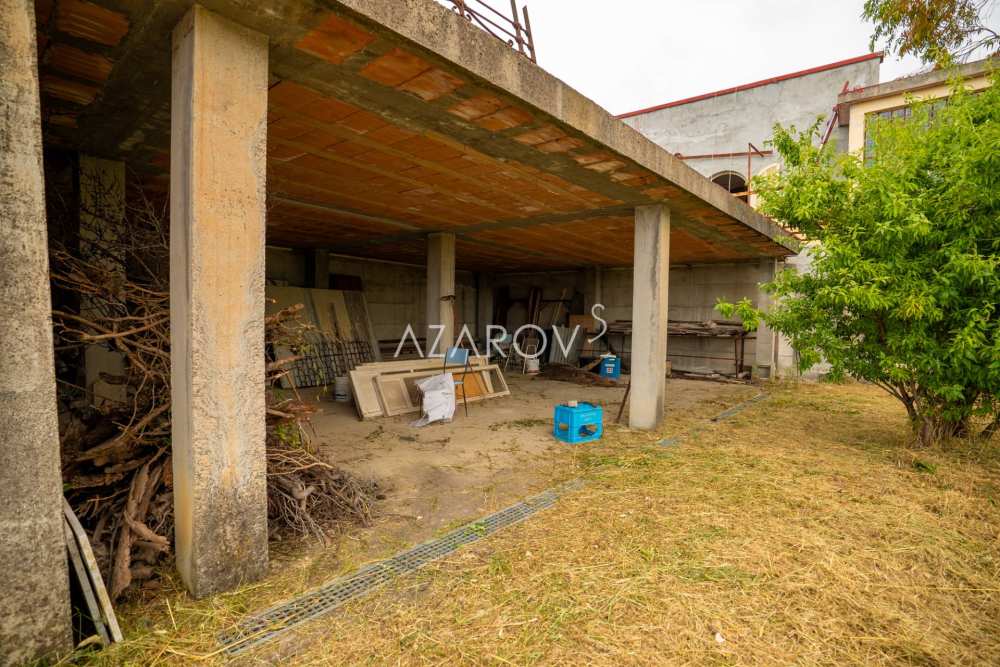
{"x":112,"y":299}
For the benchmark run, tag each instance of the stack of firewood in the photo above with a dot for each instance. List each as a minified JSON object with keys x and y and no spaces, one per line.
{"x":112,"y":291}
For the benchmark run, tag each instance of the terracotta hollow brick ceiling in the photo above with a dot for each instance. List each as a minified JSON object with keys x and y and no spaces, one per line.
{"x":374,"y":142}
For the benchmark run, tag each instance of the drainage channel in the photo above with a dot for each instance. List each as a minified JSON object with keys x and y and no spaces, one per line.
{"x":267,"y":625}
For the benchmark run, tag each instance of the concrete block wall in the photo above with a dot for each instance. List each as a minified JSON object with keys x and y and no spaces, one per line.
{"x":694,"y":291}
{"x":554,"y":284}
{"x":395,"y":292}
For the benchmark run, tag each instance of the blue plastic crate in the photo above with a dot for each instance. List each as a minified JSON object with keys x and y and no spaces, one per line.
{"x":611,"y":367}
{"x":583,"y":423}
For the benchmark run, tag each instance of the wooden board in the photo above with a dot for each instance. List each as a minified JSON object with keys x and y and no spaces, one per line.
{"x":399,"y":394}
{"x":93,"y":571}
{"x":93,"y":611}
{"x":367,"y":401}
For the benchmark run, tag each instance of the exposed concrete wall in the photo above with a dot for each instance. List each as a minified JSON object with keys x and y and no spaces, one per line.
{"x":395,"y":292}
{"x":725,"y":124}
{"x":554,"y":284}
{"x":217,"y":203}
{"x":285,"y":267}
{"x":694,"y":291}
{"x":34,"y":591}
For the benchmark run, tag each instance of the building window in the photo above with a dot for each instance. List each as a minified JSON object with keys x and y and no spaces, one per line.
{"x":900,"y":113}
{"x":732,"y":182}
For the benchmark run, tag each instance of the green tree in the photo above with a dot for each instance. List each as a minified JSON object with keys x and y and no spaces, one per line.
{"x":904,"y":289}
{"x":936,"y":31}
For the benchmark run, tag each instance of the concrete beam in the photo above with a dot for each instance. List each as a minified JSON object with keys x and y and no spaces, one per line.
{"x":440,"y":290}
{"x":34,"y":589}
{"x":217,"y":212}
{"x":102,"y":210}
{"x":650,"y":281}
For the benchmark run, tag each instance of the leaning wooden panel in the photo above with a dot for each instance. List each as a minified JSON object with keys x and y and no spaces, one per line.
{"x":400,"y":388}
{"x":395,"y":394}
{"x":366,"y":399}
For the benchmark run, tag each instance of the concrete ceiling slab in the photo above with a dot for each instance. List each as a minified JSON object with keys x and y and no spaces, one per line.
{"x":391,"y":119}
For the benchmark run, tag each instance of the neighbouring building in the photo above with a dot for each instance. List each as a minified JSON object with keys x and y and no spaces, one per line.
{"x":892,"y":99}
{"x":724,"y":134}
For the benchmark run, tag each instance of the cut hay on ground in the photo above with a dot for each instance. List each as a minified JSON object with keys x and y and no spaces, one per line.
{"x":799,"y":531}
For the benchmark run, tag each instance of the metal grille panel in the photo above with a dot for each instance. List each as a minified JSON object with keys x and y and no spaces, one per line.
{"x":265,"y":626}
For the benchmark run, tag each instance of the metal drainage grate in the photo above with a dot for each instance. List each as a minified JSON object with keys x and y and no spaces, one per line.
{"x":726,"y":414}
{"x":269,"y":624}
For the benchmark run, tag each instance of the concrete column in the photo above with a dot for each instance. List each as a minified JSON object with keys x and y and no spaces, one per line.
{"x":485,"y":302}
{"x":649,"y":316}
{"x":34,"y":585}
{"x":217,"y":177}
{"x":440,"y":290}
{"x":321,"y":269}
{"x":593,"y":288}
{"x":766,"y":348}
{"x":102,"y":212}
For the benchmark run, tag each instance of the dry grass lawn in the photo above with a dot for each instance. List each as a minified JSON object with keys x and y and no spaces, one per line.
{"x":802,"y":530}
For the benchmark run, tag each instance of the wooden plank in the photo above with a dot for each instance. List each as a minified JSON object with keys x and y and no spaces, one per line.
{"x":365,"y":391}
{"x":364,"y":380}
{"x":342,"y":319}
{"x":76,"y":560}
{"x":399,"y":388}
{"x":94,"y":572}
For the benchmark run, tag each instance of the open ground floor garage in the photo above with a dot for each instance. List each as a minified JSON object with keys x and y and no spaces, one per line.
{"x":385,"y":150}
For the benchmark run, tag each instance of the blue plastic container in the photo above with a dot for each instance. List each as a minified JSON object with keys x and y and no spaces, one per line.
{"x":583,"y":423}
{"x":611,"y":367}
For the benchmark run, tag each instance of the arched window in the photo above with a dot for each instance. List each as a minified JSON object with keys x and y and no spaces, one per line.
{"x":732,"y":182}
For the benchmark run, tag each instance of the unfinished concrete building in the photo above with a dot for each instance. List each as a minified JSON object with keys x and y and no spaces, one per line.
{"x":724,"y":136}
{"x":386,"y":142}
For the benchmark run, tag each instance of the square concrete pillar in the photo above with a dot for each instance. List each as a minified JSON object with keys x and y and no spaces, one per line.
{"x":649,"y":316}
{"x":766,"y":348}
{"x":321,"y":269}
{"x":485,"y":302}
{"x":593,"y":288}
{"x":102,"y":211}
{"x":440,"y":291}
{"x":217,"y":181}
{"x":34,"y":584}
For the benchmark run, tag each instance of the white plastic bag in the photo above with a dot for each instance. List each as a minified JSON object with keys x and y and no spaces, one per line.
{"x":439,"y":399}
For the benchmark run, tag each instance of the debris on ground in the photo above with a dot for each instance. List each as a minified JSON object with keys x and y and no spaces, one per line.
{"x":567,"y":373}
{"x":115,"y":434}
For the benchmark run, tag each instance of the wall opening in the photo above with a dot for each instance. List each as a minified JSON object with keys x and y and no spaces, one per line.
{"x":733,"y":183}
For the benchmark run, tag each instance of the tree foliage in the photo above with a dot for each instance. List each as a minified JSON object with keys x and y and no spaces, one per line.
{"x":904,"y":289}
{"x":936,"y":31}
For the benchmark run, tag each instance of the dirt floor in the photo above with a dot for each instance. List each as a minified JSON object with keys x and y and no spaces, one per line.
{"x":805,"y":529}
{"x":444,"y":474}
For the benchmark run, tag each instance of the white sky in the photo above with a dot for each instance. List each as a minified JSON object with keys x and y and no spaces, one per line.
{"x":632,"y":54}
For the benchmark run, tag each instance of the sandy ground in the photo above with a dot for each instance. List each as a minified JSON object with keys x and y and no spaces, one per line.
{"x":443,"y":475}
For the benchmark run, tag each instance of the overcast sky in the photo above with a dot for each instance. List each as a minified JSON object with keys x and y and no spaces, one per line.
{"x":632,"y":54}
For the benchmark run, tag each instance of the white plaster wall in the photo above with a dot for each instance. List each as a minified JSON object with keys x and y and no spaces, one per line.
{"x":725,"y":124}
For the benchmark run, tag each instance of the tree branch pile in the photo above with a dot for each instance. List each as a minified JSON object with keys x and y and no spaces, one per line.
{"x":112,"y":294}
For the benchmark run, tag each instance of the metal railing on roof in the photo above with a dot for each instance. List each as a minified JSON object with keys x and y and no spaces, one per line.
{"x":510,"y":30}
